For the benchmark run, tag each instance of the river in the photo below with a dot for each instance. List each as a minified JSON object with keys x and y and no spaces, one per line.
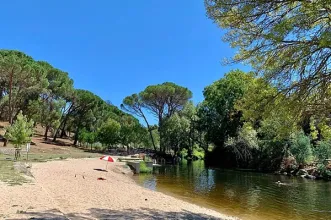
{"x":247,"y":195}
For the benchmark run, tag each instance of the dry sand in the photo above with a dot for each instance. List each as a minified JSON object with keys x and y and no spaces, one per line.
{"x":70,"y":190}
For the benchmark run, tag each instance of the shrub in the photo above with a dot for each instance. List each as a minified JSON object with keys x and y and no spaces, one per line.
{"x":301,"y":149}
{"x":198,"y":153}
{"x":20,"y":133}
{"x":144,"y":168}
{"x":323,"y":150}
{"x":324,"y":172}
{"x":183,"y":153}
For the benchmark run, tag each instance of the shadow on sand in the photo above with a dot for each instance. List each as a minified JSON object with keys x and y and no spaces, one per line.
{"x":95,"y":213}
{"x":100,"y":170}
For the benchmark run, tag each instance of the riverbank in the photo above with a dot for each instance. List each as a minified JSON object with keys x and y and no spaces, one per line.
{"x":71,"y":190}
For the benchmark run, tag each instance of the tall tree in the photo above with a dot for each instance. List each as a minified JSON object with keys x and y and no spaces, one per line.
{"x":217,"y":114}
{"x":85,"y":108}
{"x":23,"y":77}
{"x":109,"y":133}
{"x":288,"y":41}
{"x":164,"y":100}
{"x":52,"y":99}
{"x":134,"y":105}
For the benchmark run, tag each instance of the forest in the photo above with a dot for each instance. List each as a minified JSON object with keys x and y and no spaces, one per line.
{"x":276,"y":116}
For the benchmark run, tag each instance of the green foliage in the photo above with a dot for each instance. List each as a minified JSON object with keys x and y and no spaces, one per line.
{"x":301,"y":148}
{"x":162,"y":100}
{"x":20,"y":132}
{"x":243,"y":144}
{"x":144,"y":168}
{"x":198,"y":153}
{"x":288,"y":42}
{"x":324,"y":172}
{"x":217,"y":114}
{"x":22,"y":77}
{"x":87,"y":137}
{"x":109,"y":133}
{"x":322,"y":150}
{"x":183,"y":153}
{"x":129,"y":130}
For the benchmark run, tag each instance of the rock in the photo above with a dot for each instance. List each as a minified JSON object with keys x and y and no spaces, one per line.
{"x":277,"y":173}
{"x":303,"y":176}
{"x":302,"y":172}
{"x":311,"y":177}
{"x":285,"y":173}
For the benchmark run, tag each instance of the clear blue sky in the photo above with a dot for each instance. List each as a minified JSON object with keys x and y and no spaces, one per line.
{"x":116,"y":48}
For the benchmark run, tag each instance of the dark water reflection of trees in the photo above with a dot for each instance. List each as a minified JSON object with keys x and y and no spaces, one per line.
{"x":244,"y":194}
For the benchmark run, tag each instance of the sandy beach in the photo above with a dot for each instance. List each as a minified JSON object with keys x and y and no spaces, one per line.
{"x":70,"y":190}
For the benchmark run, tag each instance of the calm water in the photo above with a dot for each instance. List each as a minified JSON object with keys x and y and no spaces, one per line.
{"x":243,"y":194}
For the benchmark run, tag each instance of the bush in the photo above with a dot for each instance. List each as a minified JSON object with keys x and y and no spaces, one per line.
{"x":323,"y":150}
{"x":300,"y":148}
{"x":183,"y":153}
{"x":198,"y":153}
{"x":324,"y":172}
{"x":144,"y":168}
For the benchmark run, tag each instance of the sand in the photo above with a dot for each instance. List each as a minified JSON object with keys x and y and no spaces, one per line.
{"x":70,"y":190}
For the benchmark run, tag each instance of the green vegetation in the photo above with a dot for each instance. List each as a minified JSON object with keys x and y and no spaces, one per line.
{"x":20,"y":133}
{"x":9,"y":175}
{"x":256,"y":120}
{"x":144,"y":169}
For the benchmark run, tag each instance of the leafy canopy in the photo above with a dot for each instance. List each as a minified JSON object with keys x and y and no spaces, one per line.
{"x":287,"y":41}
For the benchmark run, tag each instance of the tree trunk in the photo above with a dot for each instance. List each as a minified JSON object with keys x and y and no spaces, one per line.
{"x":10,"y":97}
{"x":17,"y":153}
{"x":64,"y":121}
{"x":63,"y":130}
{"x":150,"y":132}
{"x":76,"y":136}
{"x":46,"y":133}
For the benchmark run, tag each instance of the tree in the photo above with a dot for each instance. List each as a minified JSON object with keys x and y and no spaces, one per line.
{"x":301,"y":148}
{"x":134,"y":105}
{"x":109,"y":133}
{"x":20,"y":133}
{"x":86,"y":137}
{"x":47,"y":113}
{"x":22,"y":78}
{"x":217,"y":114}
{"x":86,"y":107}
{"x":52,"y":99}
{"x":288,"y":42}
{"x":127,"y":132}
{"x":164,"y":100}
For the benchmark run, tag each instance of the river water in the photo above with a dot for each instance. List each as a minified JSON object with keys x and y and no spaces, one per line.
{"x":247,"y":195}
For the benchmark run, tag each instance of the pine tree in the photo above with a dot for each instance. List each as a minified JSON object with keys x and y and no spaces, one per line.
{"x":20,"y":133}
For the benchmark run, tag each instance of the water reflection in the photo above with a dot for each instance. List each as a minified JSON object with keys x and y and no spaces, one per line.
{"x":243,"y":194}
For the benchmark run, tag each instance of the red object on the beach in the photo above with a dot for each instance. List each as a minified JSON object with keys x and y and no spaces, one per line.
{"x":107,"y":158}
{"x":100,"y":178}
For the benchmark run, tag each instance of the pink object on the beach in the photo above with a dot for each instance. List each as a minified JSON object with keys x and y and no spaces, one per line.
{"x":107,"y":158}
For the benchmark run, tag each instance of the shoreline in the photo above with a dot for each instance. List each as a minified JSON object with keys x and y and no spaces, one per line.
{"x":70,"y":190}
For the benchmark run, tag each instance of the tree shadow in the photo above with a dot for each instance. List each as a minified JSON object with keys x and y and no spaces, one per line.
{"x":57,"y":143}
{"x":96,"y":213}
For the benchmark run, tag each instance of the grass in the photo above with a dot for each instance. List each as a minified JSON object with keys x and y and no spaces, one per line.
{"x":9,"y":175}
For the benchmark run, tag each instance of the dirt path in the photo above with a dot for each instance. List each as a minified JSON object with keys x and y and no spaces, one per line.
{"x":70,"y":190}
